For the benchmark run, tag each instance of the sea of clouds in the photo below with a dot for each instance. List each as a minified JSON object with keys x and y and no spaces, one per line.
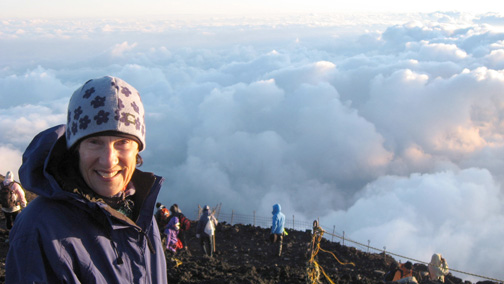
{"x":388,"y":127}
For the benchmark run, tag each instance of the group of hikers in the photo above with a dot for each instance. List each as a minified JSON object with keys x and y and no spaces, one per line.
{"x":174,"y":225}
{"x":93,"y":218}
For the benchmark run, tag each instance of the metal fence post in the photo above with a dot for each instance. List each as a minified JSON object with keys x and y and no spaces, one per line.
{"x":332,"y":237}
{"x":254,"y":218}
{"x":232,"y":215}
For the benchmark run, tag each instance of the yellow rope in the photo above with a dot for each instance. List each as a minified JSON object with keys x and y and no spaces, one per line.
{"x":342,"y":263}
{"x":177,"y":262}
{"x":314,"y":268}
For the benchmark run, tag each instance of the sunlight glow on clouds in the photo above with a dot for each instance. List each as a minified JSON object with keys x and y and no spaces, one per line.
{"x":389,"y":127}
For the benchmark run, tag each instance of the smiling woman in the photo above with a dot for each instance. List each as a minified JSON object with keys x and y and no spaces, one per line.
{"x":93,"y":221}
{"x":107,"y":163}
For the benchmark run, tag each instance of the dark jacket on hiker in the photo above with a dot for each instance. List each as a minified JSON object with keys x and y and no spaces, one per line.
{"x":71,"y":236}
{"x":206,"y":217}
{"x":206,"y":236}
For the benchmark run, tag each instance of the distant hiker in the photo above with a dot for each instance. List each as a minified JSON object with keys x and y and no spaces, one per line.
{"x":172,"y":241}
{"x":438,"y":268}
{"x":162,"y":215}
{"x":205,"y":231}
{"x":93,"y":220}
{"x":185,"y":224}
{"x":277,"y":229}
{"x":12,"y":199}
{"x":404,"y":274}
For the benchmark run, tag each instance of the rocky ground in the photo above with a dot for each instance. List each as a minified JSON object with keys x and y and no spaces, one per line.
{"x":243,"y":255}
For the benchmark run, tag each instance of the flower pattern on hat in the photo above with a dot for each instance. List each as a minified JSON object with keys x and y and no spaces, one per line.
{"x":105,"y":104}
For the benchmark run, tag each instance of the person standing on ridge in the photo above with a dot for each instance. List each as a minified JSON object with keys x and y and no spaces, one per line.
{"x":205,"y":231}
{"x":172,"y":241}
{"x":185,"y":224}
{"x":12,"y":199}
{"x":93,"y":220}
{"x":162,"y":216}
{"x":277,"y":229}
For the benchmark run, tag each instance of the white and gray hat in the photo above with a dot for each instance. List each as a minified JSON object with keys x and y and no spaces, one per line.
{"x":105,"y":105}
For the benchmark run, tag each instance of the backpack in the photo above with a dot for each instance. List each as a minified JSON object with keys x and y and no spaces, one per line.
{"x":209,"y":227}
{"x":390,"y":275}
{"x":7,"y":197}
{"x":185,"y":224}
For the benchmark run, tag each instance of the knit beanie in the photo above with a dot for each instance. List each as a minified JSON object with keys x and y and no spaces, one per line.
{"x":105,"y":105}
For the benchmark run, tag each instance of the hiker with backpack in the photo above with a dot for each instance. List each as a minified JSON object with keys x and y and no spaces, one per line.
{"x":185,"y":224}
{"x":12,"y":199}
{"x":277,"y":229}
{"x":404,"y":274}
{"x":172,"y":230}
{"x":438,"y":268}
{"x":205,"y":231}
{"x":162,"y":216}
{"x":93,"y":220}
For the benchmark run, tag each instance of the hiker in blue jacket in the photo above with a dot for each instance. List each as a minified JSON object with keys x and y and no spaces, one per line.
{"x":92,"y":221}
{"x":277,"y":229}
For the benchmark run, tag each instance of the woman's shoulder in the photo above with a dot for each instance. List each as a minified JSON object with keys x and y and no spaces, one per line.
{"x":42,"y":211}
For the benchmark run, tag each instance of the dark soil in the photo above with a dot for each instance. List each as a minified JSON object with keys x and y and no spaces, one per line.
{"x":244,"y":255}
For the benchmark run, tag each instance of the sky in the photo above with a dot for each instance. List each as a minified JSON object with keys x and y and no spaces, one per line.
{"x":385,"y":122}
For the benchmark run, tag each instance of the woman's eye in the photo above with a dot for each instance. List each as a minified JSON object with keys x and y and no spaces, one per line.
{"x":123,"y":142}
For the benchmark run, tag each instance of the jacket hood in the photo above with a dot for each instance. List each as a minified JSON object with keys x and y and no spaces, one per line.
{"x":33,"y":173}
{"x":9,"y":177}
{"x":173,"y":222}
{"x":276,"y":208}
{"x":436,"y":259}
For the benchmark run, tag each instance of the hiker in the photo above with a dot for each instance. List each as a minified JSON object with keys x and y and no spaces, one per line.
{"x":404,"y":274}
{"x":277,"y":229}
{"x":162,"y":217}
{"x":12,"y":199}
{"x":205,"y":231}
{"x":172,"y":231}
{"x":185,"y":224}
{"x":438,"y":268}
{"x":92,"y":221}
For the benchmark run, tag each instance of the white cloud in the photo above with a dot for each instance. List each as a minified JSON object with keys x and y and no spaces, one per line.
{"x":421,"y":214}
{"x":370,"y":123}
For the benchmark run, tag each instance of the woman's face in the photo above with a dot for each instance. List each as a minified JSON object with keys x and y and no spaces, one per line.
{"x":107,"y":163}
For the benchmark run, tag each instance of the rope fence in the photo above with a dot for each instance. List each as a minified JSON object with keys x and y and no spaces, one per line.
{"x":265,"y":222}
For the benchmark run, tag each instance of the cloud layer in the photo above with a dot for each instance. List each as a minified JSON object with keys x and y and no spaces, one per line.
{"x":388,"y":127}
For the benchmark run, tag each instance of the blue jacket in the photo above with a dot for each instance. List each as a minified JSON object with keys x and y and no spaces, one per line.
{"x":69,"y":236}
{"x":277,"y":226}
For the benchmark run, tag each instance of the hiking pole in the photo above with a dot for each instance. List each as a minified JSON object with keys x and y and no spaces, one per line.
{"x":214,"y":249}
